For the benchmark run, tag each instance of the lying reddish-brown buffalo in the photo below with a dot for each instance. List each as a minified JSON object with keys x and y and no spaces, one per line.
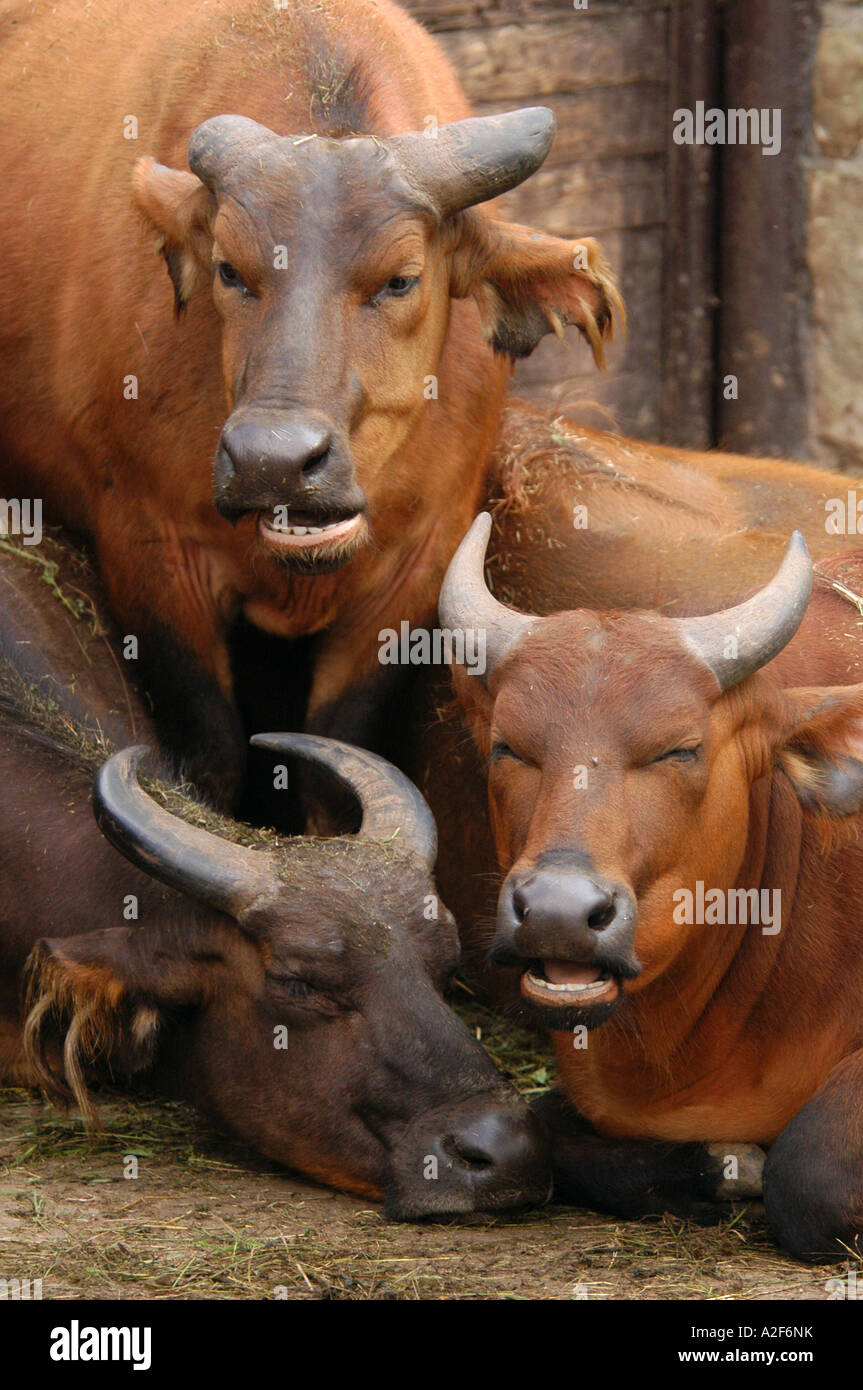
{"x":306,"y":443}
{"x":584,"y":518}
{"x":676,"y":804}
{"x":288,"y":988}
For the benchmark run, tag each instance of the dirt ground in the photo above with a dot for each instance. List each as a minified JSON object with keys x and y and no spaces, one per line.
{"x":205,"y":1219}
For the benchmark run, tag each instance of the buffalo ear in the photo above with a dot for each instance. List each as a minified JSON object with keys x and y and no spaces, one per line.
{"x":822,"y":754}
{"x":96,"y":1000}
{"x":180,"y":210}
{"x":527,"y":284}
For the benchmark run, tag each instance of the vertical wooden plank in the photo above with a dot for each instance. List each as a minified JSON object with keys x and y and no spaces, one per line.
{"x":768,"y":49}
{"x":689,"y":282}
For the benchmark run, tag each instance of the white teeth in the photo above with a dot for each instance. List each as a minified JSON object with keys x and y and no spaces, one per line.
{"x":567,"y":989}
{"x":287,"y":529}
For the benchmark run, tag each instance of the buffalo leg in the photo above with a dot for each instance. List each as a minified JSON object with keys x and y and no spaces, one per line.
{"x":197,"y":724}
{"x":634,"y":1177}
{"x":813,"y":1177}
{"x":368,"y":714}
{"x":158,"y":595}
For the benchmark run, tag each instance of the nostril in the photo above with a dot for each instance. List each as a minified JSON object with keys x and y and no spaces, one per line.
{"x":315,"y":461}
{"x":223,"y":469}
{"x":603,"y":917}
{"x":469,"y":1153}
{"x":519,"y":905}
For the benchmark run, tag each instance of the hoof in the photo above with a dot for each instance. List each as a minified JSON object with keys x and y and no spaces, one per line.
{"x":744,"y":1165}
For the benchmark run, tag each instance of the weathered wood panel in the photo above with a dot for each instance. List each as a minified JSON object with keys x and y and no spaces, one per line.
{"x":604,"y":73}
{"x":710,"y":243}
{"x":691,"y":273}
{"x":763,"y":342}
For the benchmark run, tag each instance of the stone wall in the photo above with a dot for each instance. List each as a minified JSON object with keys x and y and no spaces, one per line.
{"x":835,"y":238}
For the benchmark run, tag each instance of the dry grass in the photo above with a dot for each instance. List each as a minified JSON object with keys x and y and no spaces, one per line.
{"x":206,"y":1219}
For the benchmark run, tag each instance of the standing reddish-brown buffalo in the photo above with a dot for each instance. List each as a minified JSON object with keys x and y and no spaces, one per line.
{"x":304,"y":444}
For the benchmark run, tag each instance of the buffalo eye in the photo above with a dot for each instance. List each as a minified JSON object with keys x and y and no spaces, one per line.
{"x":229,"y":276}
{"x":292,"y":991}
{"x":291,"y":985}
{"x":502,"y":750}
{"x":679,"y":755}
{"x":397,"y":287}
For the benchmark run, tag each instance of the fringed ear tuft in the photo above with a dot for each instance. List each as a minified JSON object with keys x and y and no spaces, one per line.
{"x":528,"y":284}
{"x":80,"y":1018}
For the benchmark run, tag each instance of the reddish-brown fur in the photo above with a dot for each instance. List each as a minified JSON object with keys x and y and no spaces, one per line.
{"x":726,"y":1034}
{"x":670,"y":529}
{"x":86,"y":304}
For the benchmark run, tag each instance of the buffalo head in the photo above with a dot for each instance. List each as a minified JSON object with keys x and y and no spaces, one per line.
{"x":623,"y":749}
{"x":299,"y":1003}
{"x":332,"y":264}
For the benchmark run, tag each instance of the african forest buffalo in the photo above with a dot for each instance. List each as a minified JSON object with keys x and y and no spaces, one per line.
{"x":675,"y":805}
{"x":305,"y":445}
{"x":290,"y":988}
{"x":586,"y":519}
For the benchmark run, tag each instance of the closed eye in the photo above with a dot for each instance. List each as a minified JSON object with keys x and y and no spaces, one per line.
{"x":291,"y":985}
{"x":397,"y":287}
{"x":502,"y":750}
{"x":293,"y":992}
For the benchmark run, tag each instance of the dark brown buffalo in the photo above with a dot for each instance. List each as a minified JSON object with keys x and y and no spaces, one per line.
{"x":675,"y":804}
{"x":305,"y":444}
{"x":288,"y":988}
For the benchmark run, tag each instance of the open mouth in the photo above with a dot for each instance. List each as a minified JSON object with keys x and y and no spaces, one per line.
{"x":563,"y":984}
{"x":296,"y":530}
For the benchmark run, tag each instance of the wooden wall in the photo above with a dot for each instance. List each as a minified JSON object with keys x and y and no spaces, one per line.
{"x":604,"y":73}
{"x":710,"y":243}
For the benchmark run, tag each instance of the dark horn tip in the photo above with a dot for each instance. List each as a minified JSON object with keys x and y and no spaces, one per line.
{"x":391,"y":805}
{"x":538,"y":124}
{"x":544,"y":118}
{"x":212,"y":137}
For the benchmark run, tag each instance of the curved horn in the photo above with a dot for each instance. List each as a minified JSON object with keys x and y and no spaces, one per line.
{"x":471,"y":161}
{"x":466,"y":602}
{"x":224,"y":875}
{"x":218,"y":145}
{"x":391,"y":804}
{"x":760,"y":627}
